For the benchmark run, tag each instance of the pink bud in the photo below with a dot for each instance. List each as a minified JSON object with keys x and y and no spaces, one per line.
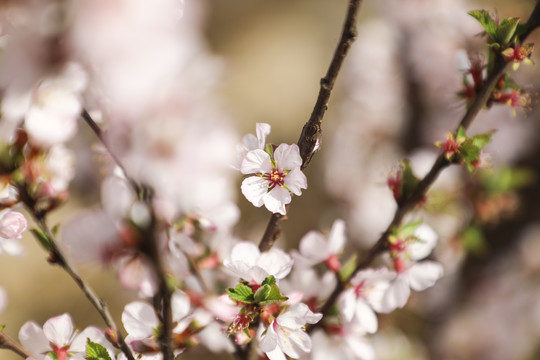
{"x":12,"y":225}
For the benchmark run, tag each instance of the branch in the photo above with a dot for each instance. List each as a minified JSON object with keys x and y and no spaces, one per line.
{"x":6,"y":342}
{"x":58,"y":257}
{"x":310,"y":137}
{"x":101,"y":136}
{"x":440,"y":164}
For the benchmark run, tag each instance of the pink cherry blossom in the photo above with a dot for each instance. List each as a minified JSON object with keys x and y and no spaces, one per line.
{"x":252,"y":142}
{"x":317,"y":248}
{"x":276,"y":177}
{"x":357,"y":304}
{"x":140,"y":321}
{"x":286,"y":336}
{"x":12,"y":225}
{"x":60,"y":337}
{"x":248,"y":263}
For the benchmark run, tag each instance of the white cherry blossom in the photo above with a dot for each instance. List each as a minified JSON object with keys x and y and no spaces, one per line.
{"x":275,"y":177}
{"x":58,"y":335}
{"x":316,"y":248}
{"x":252,"y":142}
{"x":248,"y":263}
{"x":12,"y":225}
{"x":286,"y":336}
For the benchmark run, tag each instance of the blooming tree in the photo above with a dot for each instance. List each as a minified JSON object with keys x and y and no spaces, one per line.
{"x":139,"y":77}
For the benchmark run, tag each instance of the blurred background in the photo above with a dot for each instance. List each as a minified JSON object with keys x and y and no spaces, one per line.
{"x":395,"y":97}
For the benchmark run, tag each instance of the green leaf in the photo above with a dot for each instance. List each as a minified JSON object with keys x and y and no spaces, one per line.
{"x":272,"y":295}
{"x":407,"y":230}
{"x":270,"y":280}
{"x":95,"y":351}
{"x":506,"y":30}
{"x":262,"y":293}
{"x":52,"y":355}
{"x":348,"y":268}
{"x":242,"y":293}
{"x":505,"y":179}
{"x":482,"y":140}
{"x":473,"y":240}
{"x":2,"y":327}
{"x":409,"y":180}
{"x":485,"y":20}
{"x":42,"y":238}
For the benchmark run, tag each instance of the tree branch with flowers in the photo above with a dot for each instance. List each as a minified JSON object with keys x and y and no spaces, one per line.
{"x":167,"y":213}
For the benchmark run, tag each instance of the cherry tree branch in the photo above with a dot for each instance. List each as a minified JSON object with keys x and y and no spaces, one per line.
{"x":311,"y":132}
{"x":480,"y":102}
{"x":7,"y":342}
{"x":57,"y":257}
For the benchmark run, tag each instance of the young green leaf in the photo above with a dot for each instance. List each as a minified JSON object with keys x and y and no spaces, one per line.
{"x":241,"y":293}
{"x":270,"y":280}
{"x":407,"y":230}
{"x":95,"y":351}
{"x":273,"y":295}
{"x":506,"y":31}
{"x":42,"y":238}
{"x":485,"y":20}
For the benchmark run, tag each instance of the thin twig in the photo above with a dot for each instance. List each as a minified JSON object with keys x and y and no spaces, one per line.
{"x":8,"y":343}
{"x":310,"y":137}
{"x":101,"y":136}
{"x":441,"y":163}
{"x":58,"y":257}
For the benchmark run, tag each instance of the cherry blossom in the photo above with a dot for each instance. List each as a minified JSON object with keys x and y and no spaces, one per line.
{"x":286,"y":336}
{"x":248,"y":263}
{"x":59,"y":337}
{"x":276,"y":177}
{"x":316,"y":248}
{"x":12,"y":225}
{"x":252,"y":142}
{"x":343,"y":342}
{"x":357,"y":304}
{"x":141,"y":324}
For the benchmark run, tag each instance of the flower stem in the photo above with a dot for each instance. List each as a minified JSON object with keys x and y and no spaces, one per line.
{"x":6,"y":342}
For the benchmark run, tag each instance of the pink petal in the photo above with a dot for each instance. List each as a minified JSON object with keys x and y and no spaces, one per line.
{"x":59,"y":330}
{"x":288,"y":156}
{"x":33,"y":339}
{"x":295,"y":181}
{"x":254,"y":189}
{"x":276,"y":199}
{"x":256,"y":161}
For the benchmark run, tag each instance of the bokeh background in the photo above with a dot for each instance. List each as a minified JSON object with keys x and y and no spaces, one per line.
{"x":395,"y":96}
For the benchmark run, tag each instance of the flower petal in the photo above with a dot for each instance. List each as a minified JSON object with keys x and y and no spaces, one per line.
{"x":396,"y":295}
{"x":288,"y":156}
{"x":33,"y":339}
{"x":139,"y":320}
{"x":276,"y":199}
{"x":59,"y":330}
{"x":256,"y":161}
{"x":268,"y":341}
{"x":424,"y":275}
{"x":295,"y":181}
{"x":254,"y":189}
{"x":276,"y":262}
{"x":313,"y":246}
{"x":262,"y":130}
{"x":366,"y":317}
{"x":424,"y":244}
{"x":93,"y":333}
{"x":336,"y":238}
{"x":180,"y":305}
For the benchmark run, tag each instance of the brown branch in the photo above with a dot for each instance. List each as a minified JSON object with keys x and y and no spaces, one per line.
{"x":440,"y":164}
{"x":311,"y":132}
{"x":101,"y":137}
{"x":58,"y":257}
{"x":8,"y":343}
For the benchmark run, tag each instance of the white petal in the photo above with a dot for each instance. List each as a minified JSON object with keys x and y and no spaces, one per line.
{"x":276,"y":199}
{"x":12,"y":247}
{"x":294,"y":343}
{"x":262,"y":130}
{"x":180,"y":305}
{"x":245,"y":252}
{"x":33,"y":339}
{"x":139,"y":319}
{"x":250,"y":142}
{"x":276,"y":262}
{"x":366,"y":317}
{"x":314,"y":246}
{"x":295,"y":181}
{"x":396,"y":295}
{"x":288,"y":156}
{"x":426,"y":241}
{"x":59,"y":329}
{"x":361,"y":348}
{"x":424,"y":275}
{"x":254,"y":189}
{"x":268,"y":341}
{"x":297,"y":316}
{"x":276,"y":354}
{"x":256,"y":161}
{"x":336,"y":238}
{"x":93,"y":333}
{"x":347,"y":304}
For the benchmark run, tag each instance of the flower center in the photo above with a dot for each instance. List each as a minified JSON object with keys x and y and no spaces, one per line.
{"x":275,"y":178}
